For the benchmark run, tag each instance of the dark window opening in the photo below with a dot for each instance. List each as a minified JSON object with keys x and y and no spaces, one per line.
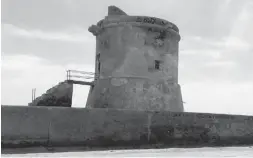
{"x":157,"y":64}
{"x":98,"y":67}
{"x":98,"y":57}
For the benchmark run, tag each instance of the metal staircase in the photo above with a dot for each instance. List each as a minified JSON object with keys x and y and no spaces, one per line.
{"x":81,"y":77}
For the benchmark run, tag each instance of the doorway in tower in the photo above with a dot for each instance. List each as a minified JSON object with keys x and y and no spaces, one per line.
{"x":98,"y":63}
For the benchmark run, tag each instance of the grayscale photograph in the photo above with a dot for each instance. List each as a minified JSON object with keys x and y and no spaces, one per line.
{"x":126,"y":78}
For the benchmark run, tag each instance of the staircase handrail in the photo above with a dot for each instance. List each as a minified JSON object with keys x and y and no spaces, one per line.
{"x":80,"y":74}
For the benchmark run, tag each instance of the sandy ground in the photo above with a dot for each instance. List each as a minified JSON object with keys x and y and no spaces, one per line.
{"x":172,"y":152}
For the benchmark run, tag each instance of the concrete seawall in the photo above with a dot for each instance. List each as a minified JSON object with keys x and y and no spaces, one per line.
{"x":68,"y":127}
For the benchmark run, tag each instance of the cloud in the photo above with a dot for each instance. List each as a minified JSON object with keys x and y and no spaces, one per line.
{"x":228,"y":43}
{"x":203,"y":58}
{"x":80,"y":36}
{"x":218,"y":97}
{"x":219,"y":64}
{"x":197,"y":17}
{"x":63,"y":46}
{"x":21,"y":73}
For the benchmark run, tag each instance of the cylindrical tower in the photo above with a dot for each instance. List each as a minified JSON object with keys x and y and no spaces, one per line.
{"x":136,"y":63}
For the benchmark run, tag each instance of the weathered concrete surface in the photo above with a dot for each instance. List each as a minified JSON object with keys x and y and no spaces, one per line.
{"x":70,"y":129}
{"x":55,"y":127}
{"x":137,"y":63}
{"x":135,"y":93}
{"x":23,"y":126}
{"x":201,"y":128}
{"x":59,"y":95}
{"x":97,"y":127}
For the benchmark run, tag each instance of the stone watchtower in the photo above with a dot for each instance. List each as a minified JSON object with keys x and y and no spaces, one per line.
{"x":136,"y":63}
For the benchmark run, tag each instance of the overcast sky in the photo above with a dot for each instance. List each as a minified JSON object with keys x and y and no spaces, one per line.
{"x":43,"y":38}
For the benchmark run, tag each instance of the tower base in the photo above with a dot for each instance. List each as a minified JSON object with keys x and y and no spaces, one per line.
{"x":135,"y":94}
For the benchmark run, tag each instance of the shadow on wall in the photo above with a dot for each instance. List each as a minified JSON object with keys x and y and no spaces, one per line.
{"x":58,"y":96}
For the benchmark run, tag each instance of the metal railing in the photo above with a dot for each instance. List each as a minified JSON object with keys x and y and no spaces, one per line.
{"x":76,"y":75}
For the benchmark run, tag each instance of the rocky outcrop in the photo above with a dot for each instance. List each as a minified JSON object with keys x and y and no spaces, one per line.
{"x":59,"y":95}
